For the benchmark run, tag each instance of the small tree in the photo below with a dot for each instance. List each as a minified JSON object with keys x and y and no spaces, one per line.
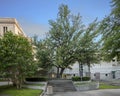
{"x":43,"y":55}
{"x":16,"y":57}
{"x":87,"y":47}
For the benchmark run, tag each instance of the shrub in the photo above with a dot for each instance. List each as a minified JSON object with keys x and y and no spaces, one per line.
{"x":36,"y":79}
{"x":77,"y":78}
{"x":86,"y":78}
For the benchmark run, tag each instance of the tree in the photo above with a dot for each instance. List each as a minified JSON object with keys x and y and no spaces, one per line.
{"x":87,"y":47}
{"x":115,"y":8}
{"x":16,"y":57}
{"x":63,"y":35}
{"x":110,"y":30}
{"x":43,"y":55}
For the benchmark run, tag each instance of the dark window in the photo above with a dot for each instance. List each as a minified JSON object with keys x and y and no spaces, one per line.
{"x":5,"y":29}
{"x":113,"y":60}
{"x":106,"y":74}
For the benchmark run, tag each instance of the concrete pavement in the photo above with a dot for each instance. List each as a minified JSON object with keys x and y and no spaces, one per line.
{"x":106,"y":92}
{"x":4,"y":83}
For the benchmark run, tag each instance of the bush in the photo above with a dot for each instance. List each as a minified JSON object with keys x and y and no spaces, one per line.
{"x":86,"y":78}
{"x":77,"y":78}
{"x":36,"y":79}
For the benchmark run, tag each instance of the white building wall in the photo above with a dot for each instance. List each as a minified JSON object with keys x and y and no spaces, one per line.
{"x":104,"y":69}
{"x":12,"y":25}
{"x":75,"y":70}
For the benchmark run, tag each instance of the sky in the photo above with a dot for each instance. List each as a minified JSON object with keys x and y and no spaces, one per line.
{"x":33,"y":15}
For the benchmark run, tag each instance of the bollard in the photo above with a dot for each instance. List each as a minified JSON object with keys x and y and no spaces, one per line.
{"x":49,"y":90}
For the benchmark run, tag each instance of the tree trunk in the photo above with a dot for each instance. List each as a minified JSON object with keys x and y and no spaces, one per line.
{"x":61,"y":72}
{"x":89,"y":73}
{"x":17,"y":81}
{"x":58,"y":75}
{"x":80,"y":70}
{"x":13,"y":81}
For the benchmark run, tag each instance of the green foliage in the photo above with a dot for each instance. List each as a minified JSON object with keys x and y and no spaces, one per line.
{"x":43,"y":56}
{"x":116,"y":8}
{"x":87,"y":47}
{"x":77,"y":78}
{"x":110,"y":30}
{"x":64,"y":32}
{"x":16,"y":57}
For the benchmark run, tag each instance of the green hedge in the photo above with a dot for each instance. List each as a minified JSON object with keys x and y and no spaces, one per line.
{"x":36,"y":79}
{"x":77,"y":78}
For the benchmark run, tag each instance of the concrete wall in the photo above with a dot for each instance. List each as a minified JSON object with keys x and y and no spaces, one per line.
{"x":12,"y":25}
{"x":106,"y":70}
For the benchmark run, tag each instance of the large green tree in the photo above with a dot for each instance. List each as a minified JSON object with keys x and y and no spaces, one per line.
{"x":16,"y":57}
{"x":110,"y":28}
{"x":63,"y":35}
{"x":115,"y":8}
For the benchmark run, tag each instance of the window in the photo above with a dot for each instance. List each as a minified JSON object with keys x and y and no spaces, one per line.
{"x":106,"y":74}
{"x":113,"y":60}
{"x":5,"y":29}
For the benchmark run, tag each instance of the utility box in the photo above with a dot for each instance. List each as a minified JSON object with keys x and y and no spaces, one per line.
{"x":49,"y":90}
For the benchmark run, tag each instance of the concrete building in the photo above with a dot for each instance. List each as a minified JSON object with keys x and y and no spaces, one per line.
{"x":101,"y":71}
{"x":106,"y":70}
{"x":10,"y":24}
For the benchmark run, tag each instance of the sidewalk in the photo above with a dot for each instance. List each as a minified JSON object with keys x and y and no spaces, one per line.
{"x":4,"y":83}
{"x":27,"y":86}
{"x":107,"y":92}
{"x":34,"y":86}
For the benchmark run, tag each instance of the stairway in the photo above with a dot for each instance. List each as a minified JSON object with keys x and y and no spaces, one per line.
{"x":62,"y":85}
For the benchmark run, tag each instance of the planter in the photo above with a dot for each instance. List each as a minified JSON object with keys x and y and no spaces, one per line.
{"x":84,"y":86}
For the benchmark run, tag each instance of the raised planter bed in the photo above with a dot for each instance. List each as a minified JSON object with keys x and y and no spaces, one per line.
{"x":84,"y":86}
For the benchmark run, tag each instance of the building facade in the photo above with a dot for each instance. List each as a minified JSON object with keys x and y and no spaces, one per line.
{"x":10,"y":24}
{"x":101,"y":71}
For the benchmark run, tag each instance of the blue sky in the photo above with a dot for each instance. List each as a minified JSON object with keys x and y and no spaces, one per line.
{"x":33,"y":15}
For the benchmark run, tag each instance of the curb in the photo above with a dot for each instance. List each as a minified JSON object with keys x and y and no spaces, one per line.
{"x":43,"y":92}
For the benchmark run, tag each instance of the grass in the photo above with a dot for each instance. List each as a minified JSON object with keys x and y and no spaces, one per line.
{"x":107,"y":86}
{"x":12,"y":91}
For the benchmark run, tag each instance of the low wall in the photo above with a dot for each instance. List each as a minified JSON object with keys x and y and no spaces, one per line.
{"x":84,"y":86}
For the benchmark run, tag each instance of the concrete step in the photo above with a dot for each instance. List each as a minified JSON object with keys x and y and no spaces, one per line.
{"x":62,"y":85}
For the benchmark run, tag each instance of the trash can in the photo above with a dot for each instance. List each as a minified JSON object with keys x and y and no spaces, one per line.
{"x":49,"y":90}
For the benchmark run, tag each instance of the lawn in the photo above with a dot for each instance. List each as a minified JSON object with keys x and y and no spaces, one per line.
{"x":12,"y":91}
{"x":108,"y":86}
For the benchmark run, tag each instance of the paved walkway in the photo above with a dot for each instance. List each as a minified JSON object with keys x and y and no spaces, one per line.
{"x":62,"y":85}
{"x":35,"y":87}
{"x":107,"y":92}
{"x":4,"y":83}
{"x":28,"y":86}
